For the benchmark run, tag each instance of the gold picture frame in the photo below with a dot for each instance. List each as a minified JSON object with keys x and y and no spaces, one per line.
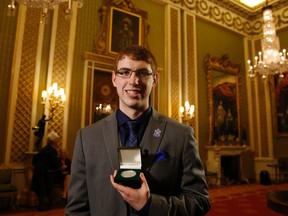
{"x":122,"y":24}
{"x":224,"y":82}
{"x":279,"y":104}
{"x":125,"y":29}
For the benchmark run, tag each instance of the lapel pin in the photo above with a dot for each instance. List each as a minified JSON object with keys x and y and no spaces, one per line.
{"x":157,"y":133}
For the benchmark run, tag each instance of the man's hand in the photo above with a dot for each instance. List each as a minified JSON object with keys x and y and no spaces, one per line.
{"x":136,"y":198}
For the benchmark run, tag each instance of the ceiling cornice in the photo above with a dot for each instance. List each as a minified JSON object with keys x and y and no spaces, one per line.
{"x":233,"y":16}
{"x":246,"y":12}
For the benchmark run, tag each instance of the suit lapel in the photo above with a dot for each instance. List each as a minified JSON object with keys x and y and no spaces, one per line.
{"x":111,"y":139}
{"x":151,"y":139}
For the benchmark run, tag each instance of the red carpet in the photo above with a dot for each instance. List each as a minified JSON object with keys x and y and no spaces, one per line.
{"x":239,"y":200}
{"x":34,"y":212}
{"x":242,"y":200}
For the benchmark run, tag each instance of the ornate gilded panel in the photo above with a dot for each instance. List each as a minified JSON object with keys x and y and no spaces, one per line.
{"x":191,"y":73}
{"x":22,"y":118}
{"x":174,"y":63}
{"x":234,"y":17}
{"x":59,"y":74}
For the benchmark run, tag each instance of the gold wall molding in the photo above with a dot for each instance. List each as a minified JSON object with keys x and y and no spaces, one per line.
{"x":93,"y":61}
{"x":174,"y":67}
{"x":23,"y":108}
{"x":190,"y":67}
{"x":59,"y":72}
{"x":234,"y":17}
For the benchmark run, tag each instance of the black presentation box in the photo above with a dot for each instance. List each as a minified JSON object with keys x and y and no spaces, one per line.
{"x":130,"y":167}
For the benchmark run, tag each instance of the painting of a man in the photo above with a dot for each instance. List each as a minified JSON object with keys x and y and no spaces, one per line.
{"x":125,"y":30}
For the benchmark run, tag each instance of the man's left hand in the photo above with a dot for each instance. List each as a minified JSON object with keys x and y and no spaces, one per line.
{"x":136,"y":198}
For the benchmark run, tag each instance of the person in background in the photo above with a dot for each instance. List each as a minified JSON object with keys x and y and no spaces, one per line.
{"x":39,"y":132}
{"x":172,"y":175}
{"x":63,"y":174}
{"x":45,"y":164}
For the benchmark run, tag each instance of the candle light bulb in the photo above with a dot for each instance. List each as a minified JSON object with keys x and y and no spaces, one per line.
{"x":181,"y":109}
{"x":61,"y":91}
{"x":192,"y":109}
{"x":63,"y":97}
{"x":44,"y":95}
{"x":50,"y":90}
{"x":57,"y":93}
{"x":55,"y":86}
{"x":187,"y":105}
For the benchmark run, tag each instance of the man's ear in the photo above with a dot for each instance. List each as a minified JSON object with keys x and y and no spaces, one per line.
{"x":113,"y":78}
{"x":155,"y":79}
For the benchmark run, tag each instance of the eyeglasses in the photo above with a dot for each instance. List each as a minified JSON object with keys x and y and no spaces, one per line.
{"x":140,"y":73}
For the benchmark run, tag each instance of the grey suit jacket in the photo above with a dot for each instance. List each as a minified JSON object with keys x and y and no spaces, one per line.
{"x":176,"y":180}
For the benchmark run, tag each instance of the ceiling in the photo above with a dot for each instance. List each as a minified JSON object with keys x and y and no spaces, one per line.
{"x":253,"y":5}
{"x":250,"y":4}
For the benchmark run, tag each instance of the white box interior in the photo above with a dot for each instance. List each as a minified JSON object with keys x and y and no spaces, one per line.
{"x":130,"y":158}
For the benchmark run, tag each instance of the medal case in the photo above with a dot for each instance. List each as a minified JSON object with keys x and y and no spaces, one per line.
{"x":130,"y":167}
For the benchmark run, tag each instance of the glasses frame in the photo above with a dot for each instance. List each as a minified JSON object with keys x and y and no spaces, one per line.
{"x":118,"y":72}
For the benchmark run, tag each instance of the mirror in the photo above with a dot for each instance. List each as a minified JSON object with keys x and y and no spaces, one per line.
{"x":223,"y":78}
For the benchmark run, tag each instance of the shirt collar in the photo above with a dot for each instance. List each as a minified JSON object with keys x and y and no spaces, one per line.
{"x":122,"y":118}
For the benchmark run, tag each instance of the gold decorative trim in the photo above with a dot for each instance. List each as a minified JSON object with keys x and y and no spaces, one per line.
{"x":175,"y":64}
{"x":59,"y":73}
{"x":22,"y":118}
{"x":191,"y":67}
{"x":233,"y":16}
{"x":102,"y":61}
{"x":94,"y":61}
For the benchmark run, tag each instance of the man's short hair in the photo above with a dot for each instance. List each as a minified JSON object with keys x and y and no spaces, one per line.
{"x":138,"y":53}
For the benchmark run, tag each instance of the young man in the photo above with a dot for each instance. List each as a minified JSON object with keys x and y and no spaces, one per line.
{"x":172,"y":174}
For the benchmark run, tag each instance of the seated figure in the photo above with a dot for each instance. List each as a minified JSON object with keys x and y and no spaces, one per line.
{"x":63,"y":174}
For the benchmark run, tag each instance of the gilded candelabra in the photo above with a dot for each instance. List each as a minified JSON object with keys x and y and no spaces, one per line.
{"x":53,"y":98}
{"x":187,"y":113}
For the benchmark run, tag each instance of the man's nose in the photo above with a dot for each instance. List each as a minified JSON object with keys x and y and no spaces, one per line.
{"x":134,"y":78}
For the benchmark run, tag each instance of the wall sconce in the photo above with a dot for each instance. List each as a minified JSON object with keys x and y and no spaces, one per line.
{"x":187,"y":112}
{"x":101,"y":111}
{"x":55,"y":97}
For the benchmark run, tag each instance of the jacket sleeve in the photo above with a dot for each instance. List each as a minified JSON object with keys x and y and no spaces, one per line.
{"x":78,"y":203}
{"x":193,"y":198}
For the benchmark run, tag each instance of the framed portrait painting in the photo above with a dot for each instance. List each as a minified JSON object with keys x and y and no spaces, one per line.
{"x":279,"y":103}
{"x":122,"y":24}
{"x":125,"y":29}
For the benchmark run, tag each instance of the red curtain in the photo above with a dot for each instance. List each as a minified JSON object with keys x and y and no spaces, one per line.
{"x":227,"y":90}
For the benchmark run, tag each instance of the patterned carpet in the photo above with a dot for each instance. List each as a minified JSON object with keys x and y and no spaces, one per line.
{"x":244,"y":200}
{"x":34,"y":212}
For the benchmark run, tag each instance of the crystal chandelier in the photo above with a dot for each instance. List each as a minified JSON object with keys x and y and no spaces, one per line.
{"x":45,"y":5}
{"x":270,"y":60}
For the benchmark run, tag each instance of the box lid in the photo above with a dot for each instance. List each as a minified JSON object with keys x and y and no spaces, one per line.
{"x":129,"y":158}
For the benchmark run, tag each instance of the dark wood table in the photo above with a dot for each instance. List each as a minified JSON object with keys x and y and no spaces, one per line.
{"x":278,"y":201}
{"x":276,"y":167}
